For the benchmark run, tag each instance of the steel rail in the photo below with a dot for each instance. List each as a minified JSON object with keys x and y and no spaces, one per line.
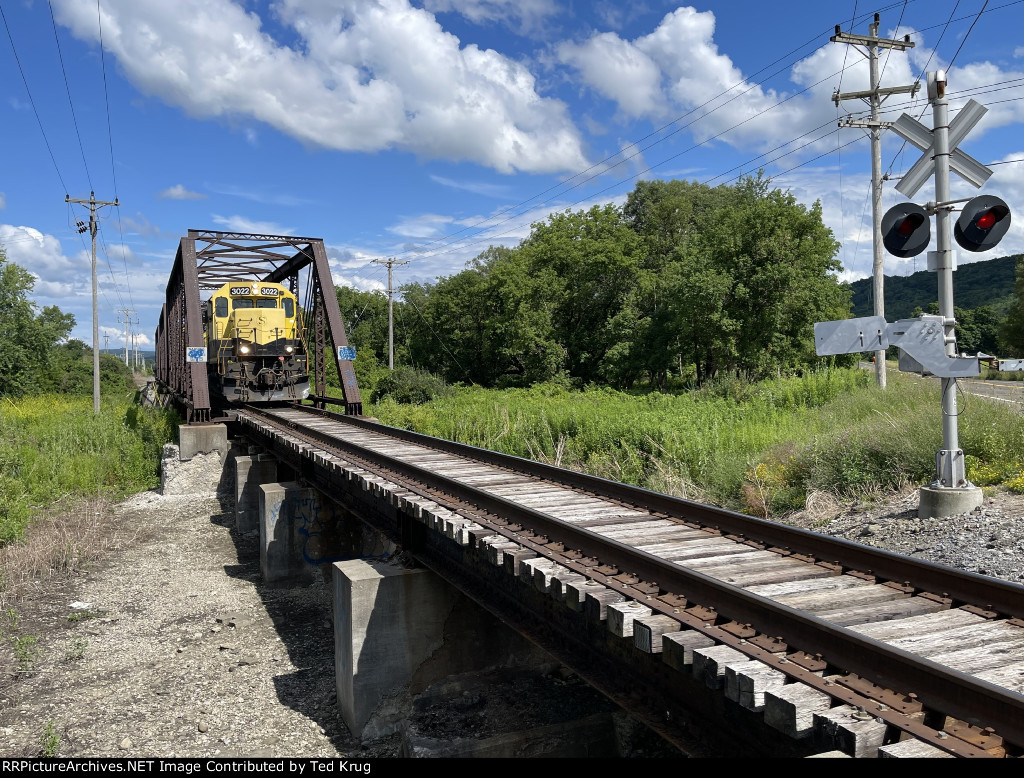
{"x":940,"y":688}
{"x":970,"y":588}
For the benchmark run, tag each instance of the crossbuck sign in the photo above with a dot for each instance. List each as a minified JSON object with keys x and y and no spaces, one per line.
{"x":911,"y":130}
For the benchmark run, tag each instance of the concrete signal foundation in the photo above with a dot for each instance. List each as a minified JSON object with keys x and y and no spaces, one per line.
{"x":939,"y":502}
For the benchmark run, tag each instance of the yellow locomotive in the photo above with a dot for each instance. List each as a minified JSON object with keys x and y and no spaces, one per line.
{"x":253,"y":335}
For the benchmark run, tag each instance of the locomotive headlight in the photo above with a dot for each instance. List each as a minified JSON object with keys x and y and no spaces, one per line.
{"x":243,"y":349}
{"x":289,"y":349}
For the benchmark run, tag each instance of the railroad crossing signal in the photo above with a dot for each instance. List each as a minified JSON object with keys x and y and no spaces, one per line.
{"x":985,"y":219}
{"x":906,"y":230}
{"x":911,"y":130}
{"x":982,"y":224}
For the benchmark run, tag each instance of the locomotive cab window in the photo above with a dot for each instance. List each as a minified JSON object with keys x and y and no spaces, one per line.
{"x":266,"y":303}
{"x":241,"y":303}
{"x":220,"y":307}
{"x":289,"y":308}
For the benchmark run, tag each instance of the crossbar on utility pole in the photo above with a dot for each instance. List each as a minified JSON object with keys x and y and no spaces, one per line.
{"x":875,"y":97}
{"x":94,"y":204}
{"x":390,"y":262}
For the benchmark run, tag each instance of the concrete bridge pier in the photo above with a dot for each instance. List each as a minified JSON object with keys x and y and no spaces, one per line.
{"x":252,"y":470}
{"x":303,"y":532}
{"x":399,"y":630}
{"x":299,"y":532}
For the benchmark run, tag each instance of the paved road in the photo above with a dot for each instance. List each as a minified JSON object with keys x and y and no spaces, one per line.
{"x":1005,"y":391}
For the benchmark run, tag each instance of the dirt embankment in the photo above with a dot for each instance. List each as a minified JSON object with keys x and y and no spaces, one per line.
{"x":169,"y":646}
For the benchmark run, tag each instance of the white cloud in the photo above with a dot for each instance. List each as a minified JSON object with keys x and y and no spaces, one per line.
{"x":677,"y":71}
{"x":476,"y":187}
{"x":260,"y":195}
{"x":620,"y":71}
{"x":426,"y":225}
{"x":528,"y":13}
{"x":244,"y":224}
{"x":1005,"y":104}
{"x":120,"y":253}
{"x":179,"y":192}
{"x":362,"y":283}
{"x":356,"y":82}
{"x":140,"y":225}
{"x":42,"y":255}
{"x":346,"y":258}
{"x":3,"y":201}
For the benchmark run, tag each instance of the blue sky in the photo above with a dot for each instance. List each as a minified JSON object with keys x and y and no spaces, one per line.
{"x":427,"y":130}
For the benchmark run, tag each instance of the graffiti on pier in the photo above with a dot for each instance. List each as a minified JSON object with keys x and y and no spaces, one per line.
{"x":315,"y":527}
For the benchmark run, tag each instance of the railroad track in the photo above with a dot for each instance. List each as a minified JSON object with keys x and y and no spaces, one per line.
{"x":810,"y":632}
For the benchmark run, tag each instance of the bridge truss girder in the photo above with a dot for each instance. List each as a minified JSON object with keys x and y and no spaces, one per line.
{"x":208,"y":259}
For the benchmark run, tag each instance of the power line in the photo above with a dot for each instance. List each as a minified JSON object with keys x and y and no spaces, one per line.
{"x":67,"y":86}
{"x":110,"y":138}
{"x":967,"y":34}
{"x":448,"y":239}
{"x":21,"y":70}
{"x":636,"y":144}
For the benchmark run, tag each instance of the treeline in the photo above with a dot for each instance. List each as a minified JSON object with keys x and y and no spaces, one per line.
{"x":35,"y":354}
{"x":682,"y":282}
{"x":996,"y":329}
{"x":988,"y":283}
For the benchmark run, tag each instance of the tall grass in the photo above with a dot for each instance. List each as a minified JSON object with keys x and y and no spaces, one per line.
{"x":761,"y":448}
{"x":53,"y":447}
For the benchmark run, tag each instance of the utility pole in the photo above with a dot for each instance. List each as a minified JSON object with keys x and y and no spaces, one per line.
{"x":875,"y":97}
{"x":93,"y":204}
{"x":135,"y":345}
{"x":127,"y":330}
{"x":390,"y":262}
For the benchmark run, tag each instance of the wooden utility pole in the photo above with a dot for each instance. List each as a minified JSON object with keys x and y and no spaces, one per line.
{"x":874,"y":96}
{"x":391,"y":296}
{"x":93,"y":204}
{"x":127,"y":331}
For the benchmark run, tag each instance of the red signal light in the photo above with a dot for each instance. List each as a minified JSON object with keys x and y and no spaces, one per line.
{"x":986,"y":220}
{"x":983,"y":223}
{"x":908,"y":225}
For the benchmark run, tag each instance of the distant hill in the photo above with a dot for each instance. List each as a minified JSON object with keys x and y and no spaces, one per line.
{"x":989,"y":282}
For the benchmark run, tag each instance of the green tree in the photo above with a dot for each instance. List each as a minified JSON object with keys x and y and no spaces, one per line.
{"x":977,"y":329}
{"x":488,"y":324}
{"x":27,"y":336}
{"x":724,"y":278}
{"x":586,"y":268}
{"x":744,"y":271}
{"x":1011,"y":333}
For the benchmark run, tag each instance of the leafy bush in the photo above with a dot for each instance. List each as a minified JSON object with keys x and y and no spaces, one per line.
{"x":54,"y":446}
{"x":411,"y":386}
{"x":831,"y":431}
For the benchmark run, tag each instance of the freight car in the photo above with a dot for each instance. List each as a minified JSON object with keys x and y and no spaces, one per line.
{"x":256,"y":351}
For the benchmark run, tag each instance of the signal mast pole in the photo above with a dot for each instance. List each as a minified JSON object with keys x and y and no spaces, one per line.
{"x":390,"y":262}
{"x":93,"y":204}
{"x":875,"y":97}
